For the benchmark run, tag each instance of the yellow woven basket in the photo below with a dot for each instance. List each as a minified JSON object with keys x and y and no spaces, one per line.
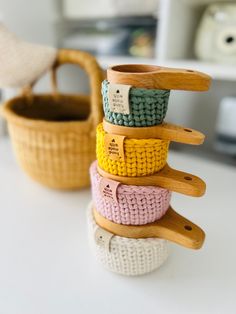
{"x":53,"y":135}
{"x":141,"y":156}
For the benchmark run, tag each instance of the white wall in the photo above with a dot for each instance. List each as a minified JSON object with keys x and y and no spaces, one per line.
{"x":30,"y":19}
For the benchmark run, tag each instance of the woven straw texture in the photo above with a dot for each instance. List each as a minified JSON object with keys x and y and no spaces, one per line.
{"x":127,"y":256}
{"x":136,"y":205}
{"x":147,"y":107}
{"x":53,"y":135}
{"x":142,"y":156}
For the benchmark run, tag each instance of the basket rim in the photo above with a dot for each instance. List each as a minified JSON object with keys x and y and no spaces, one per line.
{"x":11,"y":116}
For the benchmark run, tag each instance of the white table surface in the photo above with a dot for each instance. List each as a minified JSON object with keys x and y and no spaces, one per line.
{"x":46,"y":265}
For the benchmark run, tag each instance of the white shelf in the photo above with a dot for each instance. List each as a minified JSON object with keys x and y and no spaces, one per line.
{"x":216,"y":71}
{"x":176,"y":34}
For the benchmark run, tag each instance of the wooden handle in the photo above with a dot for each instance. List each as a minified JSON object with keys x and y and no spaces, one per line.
{"x":164,"y":131}
{"x":168,"y":178}
{"x":172,"y":227}
{"x":156,"y":77}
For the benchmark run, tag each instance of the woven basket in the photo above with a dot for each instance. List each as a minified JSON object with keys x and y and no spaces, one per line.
{"x":126,"y":256}
{"x":147,"y":107}
{"x":141,"y":156}
{"x":134,"y":205}
{"x":53,"y":135}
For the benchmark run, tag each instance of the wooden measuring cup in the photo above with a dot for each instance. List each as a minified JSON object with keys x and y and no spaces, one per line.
{"x":172,"y":227}
{"x":164,"y":131}
{"x":167,"y":177}
{"x":158,"y":77}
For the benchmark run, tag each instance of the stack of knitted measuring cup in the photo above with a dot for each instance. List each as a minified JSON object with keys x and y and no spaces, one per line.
{"x":130,"y":217}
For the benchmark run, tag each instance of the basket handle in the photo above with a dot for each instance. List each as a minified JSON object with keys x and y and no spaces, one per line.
{"x":89,"y":64}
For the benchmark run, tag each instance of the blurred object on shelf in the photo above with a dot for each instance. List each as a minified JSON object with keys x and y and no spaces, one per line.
{"x":121,"y":36}
{"x":99,"y":43}
{"x":74,"y":9}
{"x":226,"y":126}
{"x":142,"y":44}
{"x":216,"y":34}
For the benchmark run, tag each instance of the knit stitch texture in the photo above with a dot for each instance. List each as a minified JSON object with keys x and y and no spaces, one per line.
{"x":147,"y":107}
{"x":136,"y":205}
{"x":142,"y":156}
{"x":130,"y":257}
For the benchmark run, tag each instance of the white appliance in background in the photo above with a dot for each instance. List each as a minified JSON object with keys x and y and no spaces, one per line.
{"x":108,"y":8}
{"x":216,"y":34}
{"x":226,"y":126}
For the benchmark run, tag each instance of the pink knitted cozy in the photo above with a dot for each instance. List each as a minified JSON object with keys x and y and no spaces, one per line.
{"x":134,"y":205}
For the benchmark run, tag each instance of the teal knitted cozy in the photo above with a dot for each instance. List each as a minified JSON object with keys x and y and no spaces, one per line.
{"x":147,"y":107}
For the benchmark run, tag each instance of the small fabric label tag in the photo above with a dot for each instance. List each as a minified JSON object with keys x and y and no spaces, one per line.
{"x":118,"y":98}
{"x":108,"y":189}
{"x":103,"y":238}
{"x":114,"y":146}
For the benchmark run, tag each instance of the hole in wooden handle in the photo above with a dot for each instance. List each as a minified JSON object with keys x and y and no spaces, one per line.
{"x":188,"y":130}
{"x":188,"y":178}
{"x":187,"y":227}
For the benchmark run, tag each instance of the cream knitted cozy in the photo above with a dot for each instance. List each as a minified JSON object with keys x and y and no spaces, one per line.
{"x":128,"y":256}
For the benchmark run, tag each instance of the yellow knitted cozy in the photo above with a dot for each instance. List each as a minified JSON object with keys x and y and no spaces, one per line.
{"x":142,"y":156}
